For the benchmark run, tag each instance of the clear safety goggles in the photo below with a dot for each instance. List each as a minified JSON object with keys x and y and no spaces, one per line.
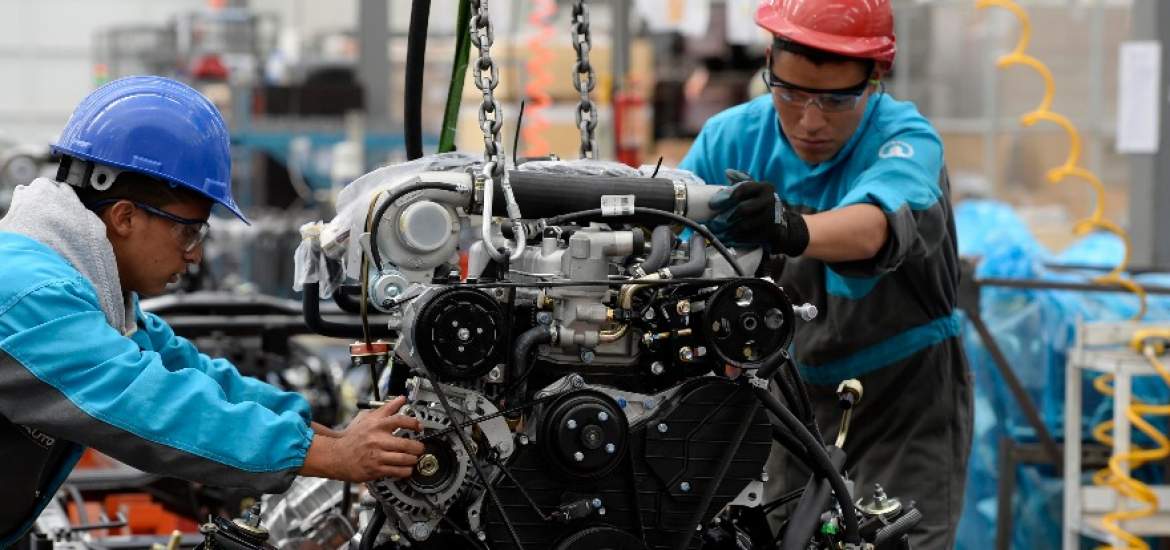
{"x":188,"y":232}
{"x":828,"y":101}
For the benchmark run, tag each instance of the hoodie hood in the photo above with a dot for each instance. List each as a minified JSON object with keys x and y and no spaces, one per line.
{"x":49,"y":212}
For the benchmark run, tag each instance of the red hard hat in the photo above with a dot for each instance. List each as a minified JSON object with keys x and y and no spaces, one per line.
{"x":852,"y":28}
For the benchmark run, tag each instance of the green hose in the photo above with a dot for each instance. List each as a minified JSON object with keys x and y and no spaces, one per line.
{"x":458,"y":74}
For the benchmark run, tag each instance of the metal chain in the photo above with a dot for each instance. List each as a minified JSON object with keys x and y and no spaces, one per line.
{"x":490,"y":117}
{"x":584,"y":79}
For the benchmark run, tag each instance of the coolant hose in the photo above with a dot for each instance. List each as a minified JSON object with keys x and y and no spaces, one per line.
{"x":543,"y":195}
{"x":822,"y":464}
{"x":311,"y":306}
{"x":660,"y":240}
{"x":539,"y":334}
{"x":696,"y":259}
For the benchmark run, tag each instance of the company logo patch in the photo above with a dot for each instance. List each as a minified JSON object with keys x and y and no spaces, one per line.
{"x":896,"y":149}
{"x":42,"y":439}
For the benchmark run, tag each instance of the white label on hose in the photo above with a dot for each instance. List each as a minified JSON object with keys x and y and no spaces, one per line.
{"x":617,"y":205}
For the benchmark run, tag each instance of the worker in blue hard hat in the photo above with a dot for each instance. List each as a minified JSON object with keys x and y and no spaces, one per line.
{"x":143,"y":161}
{"x":846,"y":188}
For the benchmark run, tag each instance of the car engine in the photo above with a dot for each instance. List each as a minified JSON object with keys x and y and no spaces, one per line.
{"x":586,"y":379}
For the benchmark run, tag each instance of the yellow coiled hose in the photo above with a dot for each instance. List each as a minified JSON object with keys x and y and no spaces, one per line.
{"x":1113,"y":476}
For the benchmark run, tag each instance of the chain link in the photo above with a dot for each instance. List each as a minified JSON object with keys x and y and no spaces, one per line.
{"x":490,"y":117}
{"x":584,"y":79}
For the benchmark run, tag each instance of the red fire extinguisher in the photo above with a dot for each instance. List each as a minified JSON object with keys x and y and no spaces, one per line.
{"x":629,"y":125}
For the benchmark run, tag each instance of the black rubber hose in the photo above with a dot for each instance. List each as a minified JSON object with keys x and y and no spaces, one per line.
{"x":370,"y":533}
{"x":536,"y":335}
{"x":696,"y":260}
{"x":543,"y":194}
{"x":661,"y":240}
{"x":416,"y":54}
{"x":397,"y":194}
{"x":792,"y":445}
{"x":797,"y":382}
{"x":349,"y":298}
{"x":807,"y":516}
{"x":311,"y":305}
{"x":900,"y":527}
{"x":643,"y":211}
{"x":821,"y":462}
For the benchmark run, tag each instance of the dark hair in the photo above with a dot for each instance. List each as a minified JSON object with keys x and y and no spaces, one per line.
{"x":138,"y":187}
{"x":817,"y":56}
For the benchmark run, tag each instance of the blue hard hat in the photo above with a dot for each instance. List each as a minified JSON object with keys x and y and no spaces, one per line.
{"x":156,"y":126}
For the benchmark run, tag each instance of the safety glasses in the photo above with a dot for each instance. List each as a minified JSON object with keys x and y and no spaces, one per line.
{"x":828,"y":101}
{"x":188,"y":232}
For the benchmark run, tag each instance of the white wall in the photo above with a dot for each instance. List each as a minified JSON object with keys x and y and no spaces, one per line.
{"x":46,"y":61}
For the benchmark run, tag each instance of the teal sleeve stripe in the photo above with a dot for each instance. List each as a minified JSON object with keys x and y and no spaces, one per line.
{"x":851,"y":288}
{"x":886,"y":352}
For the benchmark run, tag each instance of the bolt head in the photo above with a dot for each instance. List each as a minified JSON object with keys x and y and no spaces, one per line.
{"x":523,"y":439}
{"x":684,"y":487}
{"x":662,"y":427}
{"x":686,"y":353}
{"x":657,"y":368}
{"x":596,"y":503}
{"x":683,"y":307}
{"x":420,"y":531}
{"x":602,"y":416}
{"x":601,"y":511}
{"x":481,"y":535}
{"x":610,"y":448}
{"x":578,"y":456}
{"x":463,"y":334}
{"x":571,"y":424}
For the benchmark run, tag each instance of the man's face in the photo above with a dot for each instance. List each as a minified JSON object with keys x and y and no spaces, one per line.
{"x":151,"y":249}
{"x":815,"y":131}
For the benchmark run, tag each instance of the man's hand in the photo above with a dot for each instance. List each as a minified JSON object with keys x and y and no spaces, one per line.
{"x":750,"y":213}
{"x":367,"y":449}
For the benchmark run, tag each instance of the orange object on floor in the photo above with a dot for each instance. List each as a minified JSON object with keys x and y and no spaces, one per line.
{"x":92,"y":460}
{"x":146,"y":517}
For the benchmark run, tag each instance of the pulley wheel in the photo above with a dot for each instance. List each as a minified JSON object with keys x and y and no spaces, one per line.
{"x":748,"y":323}
{"x":601,"y":538}
{"x":459,"y":334}
{"x":584,"y":433}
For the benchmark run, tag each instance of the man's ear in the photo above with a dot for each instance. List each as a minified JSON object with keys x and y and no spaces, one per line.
{"x":119,"y":218}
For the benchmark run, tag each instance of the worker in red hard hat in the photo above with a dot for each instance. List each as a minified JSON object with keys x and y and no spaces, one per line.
{"x":846,"y":188}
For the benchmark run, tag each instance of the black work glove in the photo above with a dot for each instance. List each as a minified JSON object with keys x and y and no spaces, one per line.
{"x":751,"y":214}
